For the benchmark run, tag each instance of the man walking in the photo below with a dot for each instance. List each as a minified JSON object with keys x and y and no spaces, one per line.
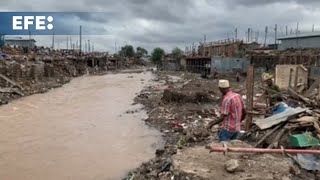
{"x":232,"y":112}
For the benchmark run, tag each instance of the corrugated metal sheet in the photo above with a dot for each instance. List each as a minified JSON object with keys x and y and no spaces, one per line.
{"x":305,"y":42}
{"x":229,"y":64}
{"x":278,"y":118}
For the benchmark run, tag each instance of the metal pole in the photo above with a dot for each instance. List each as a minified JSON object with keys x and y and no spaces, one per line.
{"x":248,"y":35}
{"x":67,"y":42}
{"x":236,"y":34}
{"x":275,"y":36}
{"x":313,"y":28}
{"x":80,"y":39}
{"x":261,"y":150}
{"x":53,"y":40}
{"x":265,"y":37}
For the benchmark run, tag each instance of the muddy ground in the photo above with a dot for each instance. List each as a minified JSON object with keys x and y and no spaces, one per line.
{"x":180,"y":105}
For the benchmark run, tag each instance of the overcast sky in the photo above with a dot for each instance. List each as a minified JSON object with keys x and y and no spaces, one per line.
{"x":171,"y":23}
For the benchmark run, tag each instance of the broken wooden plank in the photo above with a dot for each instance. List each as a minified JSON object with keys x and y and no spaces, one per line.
{"x":275,"y":143}
{"x":305,"y":119}
{"x":10,"y":81}
{"x":267,"y":135}
{"x":278,"y":118}
{"x":250,"y":91}
{"x":17,"y":91}
{"x":11,"y":90}
{"x":298,"y":96}
{"x":312,"y":88}
{"x":6,"y":90}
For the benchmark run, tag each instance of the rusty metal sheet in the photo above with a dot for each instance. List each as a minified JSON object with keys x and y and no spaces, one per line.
{"x":278,"y":118}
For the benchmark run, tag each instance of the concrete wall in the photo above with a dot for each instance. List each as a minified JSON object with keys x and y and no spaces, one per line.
{"x":282,"y":75}
{"x":308,"y":42}
{"x":315,"y":72}
{"x":170,"y":66}
{"x":229,"y":64}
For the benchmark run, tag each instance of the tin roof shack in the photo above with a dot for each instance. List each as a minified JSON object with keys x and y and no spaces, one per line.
{"x":267,"y":61}
{"x":225,"y":55}
{"x":298,"y":41}
{"x":19,"y":42}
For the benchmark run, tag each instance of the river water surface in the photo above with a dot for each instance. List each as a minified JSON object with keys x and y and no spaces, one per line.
{"x":79,"y":131}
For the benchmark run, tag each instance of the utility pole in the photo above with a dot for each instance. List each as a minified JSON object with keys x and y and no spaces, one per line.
{"x":286,"y":30}
{"x":265,"y":36}
{"x":249,"y":35}
{"x":297,"y":30}
{"x":275,"y":35}
{"x":71,"y":44}
{"x":257,"y":36}
{"x":29,"y":39}
{"x":85,"y":47}
{"x":236,"y":34}
{"x":53,"y":40}
{"x":89,"y":47}
{"x":80,"y":39}
{"x":313,"y":28}
{"x":67,"y":42}
{"x":204,"y":38}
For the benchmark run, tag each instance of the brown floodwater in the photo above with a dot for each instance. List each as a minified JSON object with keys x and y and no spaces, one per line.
{"x":79,"y":131}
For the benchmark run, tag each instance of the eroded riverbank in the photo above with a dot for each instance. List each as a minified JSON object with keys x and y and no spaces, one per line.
{"x":87,"y":129}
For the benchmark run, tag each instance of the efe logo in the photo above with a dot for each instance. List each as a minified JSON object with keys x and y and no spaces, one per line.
{"x":23,"y":22}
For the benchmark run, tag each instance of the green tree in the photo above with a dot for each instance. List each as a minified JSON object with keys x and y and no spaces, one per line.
{"x":127,"y":51}
{"x":177,"y":55}
{"x":140,"y":52}
{"x":157,"y":55}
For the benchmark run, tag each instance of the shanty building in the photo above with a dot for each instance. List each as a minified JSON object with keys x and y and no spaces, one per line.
{"x":227,"y":56}
{"x":30,"y":43}
{"x":299,"y":41}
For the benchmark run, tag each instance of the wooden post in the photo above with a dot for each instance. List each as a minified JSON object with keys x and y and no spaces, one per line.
{"x":296,"y":78}
{"x":250,"y":91}
{"x":290,"y":78}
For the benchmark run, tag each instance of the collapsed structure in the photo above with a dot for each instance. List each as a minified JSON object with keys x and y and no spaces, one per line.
{"x":25,"y":71}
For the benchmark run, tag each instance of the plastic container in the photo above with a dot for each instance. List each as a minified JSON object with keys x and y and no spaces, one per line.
{"x":303,"y":140}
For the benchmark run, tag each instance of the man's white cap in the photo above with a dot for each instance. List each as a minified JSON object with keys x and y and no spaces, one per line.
{"x":224,"y":83}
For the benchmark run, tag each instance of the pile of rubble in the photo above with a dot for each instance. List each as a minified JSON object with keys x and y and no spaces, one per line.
{"x":183,"y":124}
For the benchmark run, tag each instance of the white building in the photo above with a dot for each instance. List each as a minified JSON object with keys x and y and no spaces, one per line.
{"x":30,"y":43}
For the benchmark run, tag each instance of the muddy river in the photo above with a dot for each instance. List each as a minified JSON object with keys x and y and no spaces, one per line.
{"x":79,"y":131}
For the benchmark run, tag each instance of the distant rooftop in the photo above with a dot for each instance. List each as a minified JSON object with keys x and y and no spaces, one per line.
{"x":300,"y":35}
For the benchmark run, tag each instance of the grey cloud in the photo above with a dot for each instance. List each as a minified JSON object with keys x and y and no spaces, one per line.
{"x":250,"y":3}
{"x":171,"y":23}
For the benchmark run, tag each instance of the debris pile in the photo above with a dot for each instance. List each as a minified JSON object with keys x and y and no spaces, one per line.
{"x":301,"y":115}
{"x":29,"y":71}
{"x":173,"y":109}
